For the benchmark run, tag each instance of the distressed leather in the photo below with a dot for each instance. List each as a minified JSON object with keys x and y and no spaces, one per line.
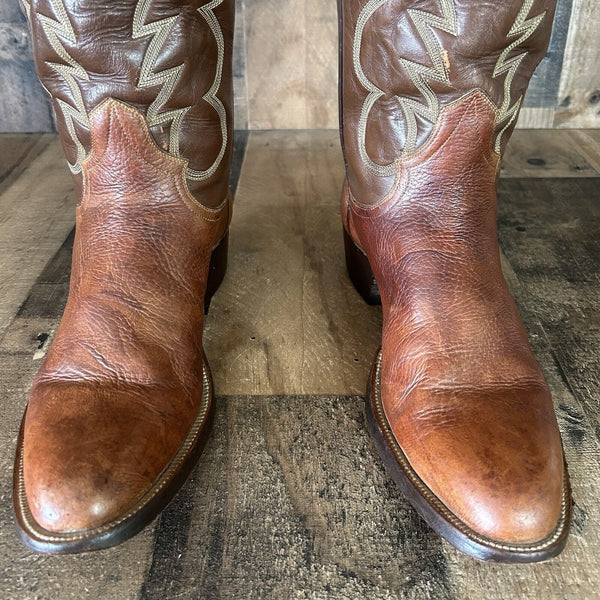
{"x":99,"y":56}
{"x":122,"y":382}
{"x":460,"y":387}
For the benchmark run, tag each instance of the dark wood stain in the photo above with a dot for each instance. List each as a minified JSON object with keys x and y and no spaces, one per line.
{"x":289,"y":499}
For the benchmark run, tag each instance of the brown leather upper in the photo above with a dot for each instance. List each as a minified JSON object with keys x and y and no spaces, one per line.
{"x":391,"y":40}
{"x":91,"y":48}
{"x":122,"y":382}
{"x":143,"y":97}
{"x":460,"y":386}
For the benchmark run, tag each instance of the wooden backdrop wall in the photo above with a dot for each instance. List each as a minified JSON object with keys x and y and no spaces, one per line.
{"x":286,"y":69}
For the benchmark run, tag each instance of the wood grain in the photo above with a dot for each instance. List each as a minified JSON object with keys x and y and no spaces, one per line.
{"x":540,"y":153}
{"x":24,"y":106}
{"x":240,"y":85}
{"x":17,"y":151}
{"x":291,"y":63}
{"x":290,"y":500}
{"x":579,"y":90}
{"x":275,"y":326}
{"x":37,"y":214}
{"x":588,"y":145}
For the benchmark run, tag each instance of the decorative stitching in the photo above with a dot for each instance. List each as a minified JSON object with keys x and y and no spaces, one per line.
{"x":425,"y":152}
{"x":374,"y":92}
{"x":190,"y":202}
{"x":168,"y":79}
{"x":207,"y":12}
{"x":424,"y":22}
{"x":524,"y":28}
{"x":53,"y":29}
{"x":420,"y":74}
{"x":27,"y":10}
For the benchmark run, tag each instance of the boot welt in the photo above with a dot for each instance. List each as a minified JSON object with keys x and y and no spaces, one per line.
{"x":435,"y":513}
{"x":139,"y":515}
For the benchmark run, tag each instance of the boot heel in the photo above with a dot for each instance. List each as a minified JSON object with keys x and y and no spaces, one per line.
{"x":360,"y":272}
{"x":216,"y":270}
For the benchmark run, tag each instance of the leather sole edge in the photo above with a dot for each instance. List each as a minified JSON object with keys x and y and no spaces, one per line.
{"x":143,"y":512}
{"x":435,"y":513}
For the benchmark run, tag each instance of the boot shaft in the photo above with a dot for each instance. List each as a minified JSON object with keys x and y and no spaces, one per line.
{"x":171,"y":60}
{"x":404,"y":61}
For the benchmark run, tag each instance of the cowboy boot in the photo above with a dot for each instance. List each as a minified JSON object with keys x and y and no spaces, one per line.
{"x":457,"y":405}
{"x":121,"y":407}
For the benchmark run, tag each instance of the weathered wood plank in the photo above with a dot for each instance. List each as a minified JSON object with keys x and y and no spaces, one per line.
{"x":37,"y":214}
{"x":289,"y":501}
{"x":545,"y":153}
{"x":275,"y":326}
{"x":549,"y":231}
{"x":14,"y":42}
{"x":24,"y":107}
{"x":588,"y":145}
{"x":291,"y":50}
{"x":535,"y":118}
{"x":240,"y":84}
{"x":579,"y":90}
{"x":17,"y":151}
{"x":543,"y":87}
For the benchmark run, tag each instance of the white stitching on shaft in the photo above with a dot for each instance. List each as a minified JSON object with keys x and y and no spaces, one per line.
{"x":421,"y":74}
{"x":424,"y":22}
{"x":207,"y":11}
{"x":53,"y":29}
{"x":168,"y":78}
{"x":524,"y":28}
{"x":374,"y":92}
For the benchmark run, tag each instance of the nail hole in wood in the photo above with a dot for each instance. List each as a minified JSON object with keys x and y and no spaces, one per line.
{"x":536,"y":162}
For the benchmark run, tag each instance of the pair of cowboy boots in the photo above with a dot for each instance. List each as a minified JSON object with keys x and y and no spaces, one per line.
{"x":429,"y":93}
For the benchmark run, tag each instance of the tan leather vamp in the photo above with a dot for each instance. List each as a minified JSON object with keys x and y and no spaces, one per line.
{"x":460,"y":386}
{"x":122,"y":382}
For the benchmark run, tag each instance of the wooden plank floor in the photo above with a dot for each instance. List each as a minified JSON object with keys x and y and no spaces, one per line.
{"x":289,"y":500}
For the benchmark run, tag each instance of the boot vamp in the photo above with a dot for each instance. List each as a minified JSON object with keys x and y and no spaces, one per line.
{"x":471,"y":411}
{"x":92,"y":449}
{"x":115,"y":397}
{"x":122,"y":382}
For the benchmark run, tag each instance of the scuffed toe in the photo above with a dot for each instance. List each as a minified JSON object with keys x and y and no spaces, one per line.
{"x":82,"y":466}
